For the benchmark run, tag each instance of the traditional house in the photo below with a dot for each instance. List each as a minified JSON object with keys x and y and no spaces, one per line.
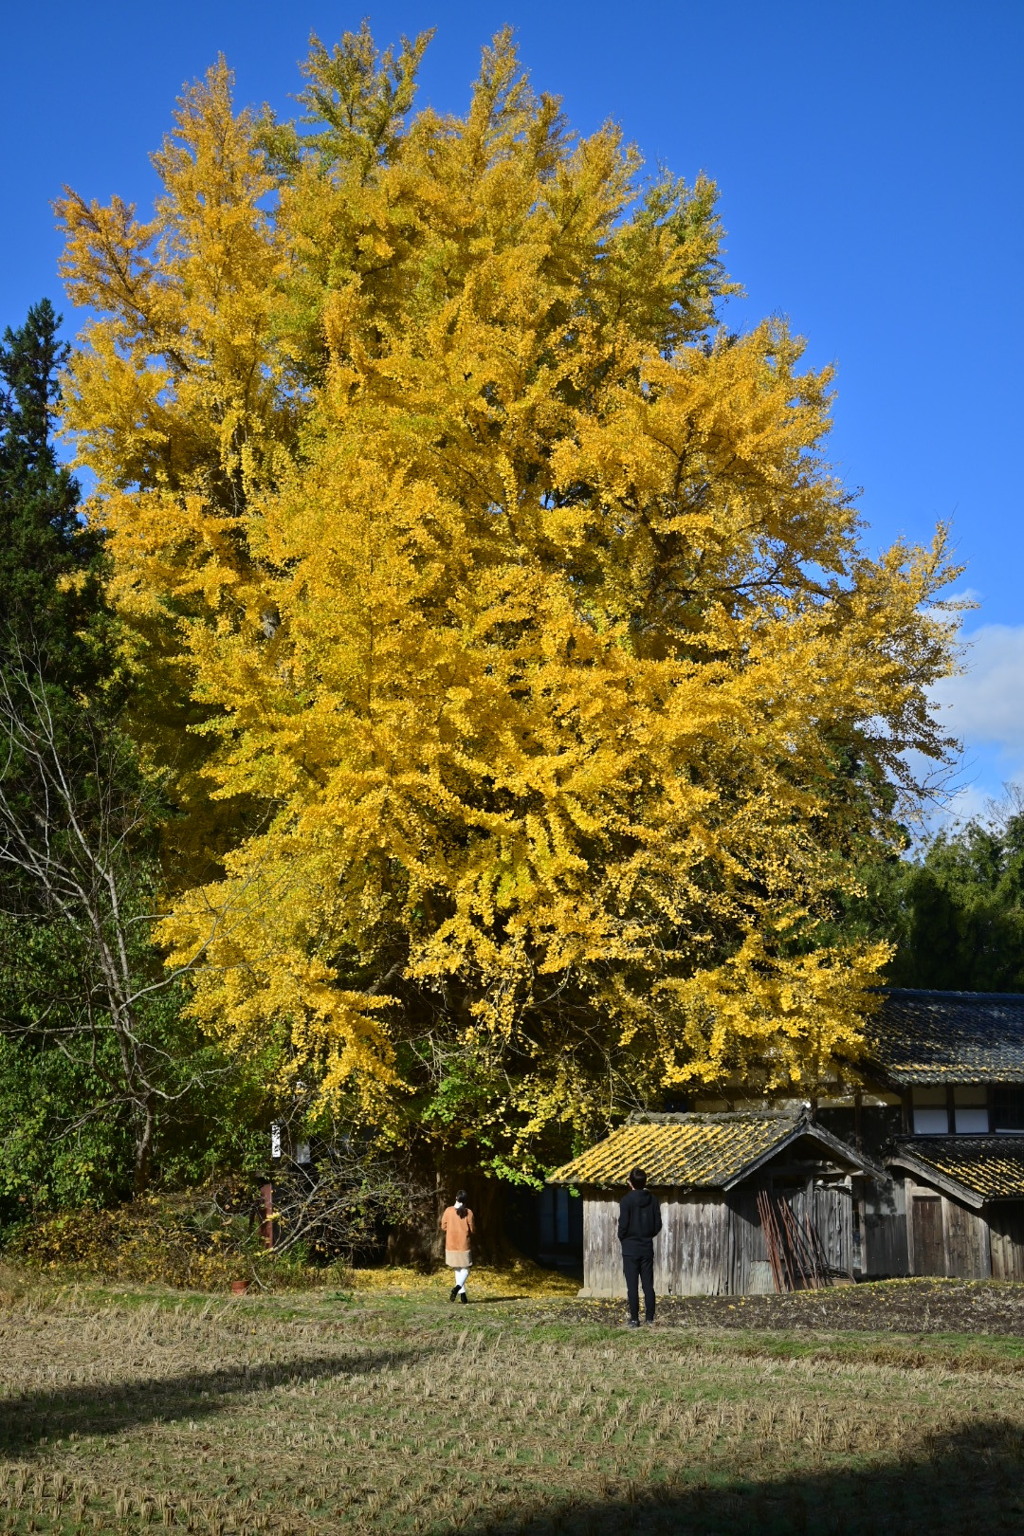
{"x":751,"y":1202}
{"x":945,"y":1076}
{"x":916,"y":1168}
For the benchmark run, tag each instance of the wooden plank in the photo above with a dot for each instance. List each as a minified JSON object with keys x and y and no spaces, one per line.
{"x":966,"y":1241}
{"x":926,"y":1221}
{"x":884,"y":1233}
{"x":1006,"y":1232}
{"x":983,"y":1218}
{"x":691,"y":1255}
{"x":669,"y":1248}
{"x":750,"y":1272}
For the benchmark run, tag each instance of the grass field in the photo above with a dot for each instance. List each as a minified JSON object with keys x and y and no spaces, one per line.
{"x":369,"y":1411}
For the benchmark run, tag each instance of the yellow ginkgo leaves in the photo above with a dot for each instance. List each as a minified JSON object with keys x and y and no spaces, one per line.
{"x":530,"y":694}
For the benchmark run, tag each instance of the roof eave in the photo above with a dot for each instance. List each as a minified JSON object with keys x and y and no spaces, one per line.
{"x":856,"y":1163}
{"x":953,"y":1077}
{"x":943,"y":1181}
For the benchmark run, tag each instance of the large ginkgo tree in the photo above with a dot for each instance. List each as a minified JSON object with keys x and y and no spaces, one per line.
{"x":531,"y":696}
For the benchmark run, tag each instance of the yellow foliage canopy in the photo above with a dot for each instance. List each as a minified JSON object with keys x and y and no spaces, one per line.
{"x":546,"y":689}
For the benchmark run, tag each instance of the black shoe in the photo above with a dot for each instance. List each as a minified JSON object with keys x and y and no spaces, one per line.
{"x":634,"y":1322}
{"x":455,"y":1292}
{"x":463,"y":1297}
{"x":648,"y":1322}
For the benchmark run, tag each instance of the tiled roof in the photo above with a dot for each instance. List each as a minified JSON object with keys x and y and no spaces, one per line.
{"x":947,"y":1037}
{"x":986,"y":1167}
{"x":693,"y":1151}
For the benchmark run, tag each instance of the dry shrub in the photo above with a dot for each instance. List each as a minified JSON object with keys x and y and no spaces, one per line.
{"x":187,"y":1241}
{"x":203,"y":1240}
{"x":13,"y":1285}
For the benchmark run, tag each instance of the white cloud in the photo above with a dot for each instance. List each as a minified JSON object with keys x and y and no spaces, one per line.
{"x":966,"y":595}
{"x":985,"y":704}
{"x":968,"y":803}
{"x":984,"y":707}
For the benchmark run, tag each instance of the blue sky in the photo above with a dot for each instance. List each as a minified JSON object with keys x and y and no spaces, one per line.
{"x":869,"y":157}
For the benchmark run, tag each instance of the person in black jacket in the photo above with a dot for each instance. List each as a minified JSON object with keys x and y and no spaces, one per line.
{"x":639,"y":1225}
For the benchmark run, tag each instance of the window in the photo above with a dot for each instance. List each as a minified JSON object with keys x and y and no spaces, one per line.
{"x":970,"y":1110}
{"x":1008,"y":1110}
{"x":931,"y":1117}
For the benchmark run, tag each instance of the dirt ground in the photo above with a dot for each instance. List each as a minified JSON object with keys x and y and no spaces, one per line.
{"x":891,"y":1306}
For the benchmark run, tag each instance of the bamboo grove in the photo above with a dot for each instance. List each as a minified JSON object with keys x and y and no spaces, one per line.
{"x":527,"y":694}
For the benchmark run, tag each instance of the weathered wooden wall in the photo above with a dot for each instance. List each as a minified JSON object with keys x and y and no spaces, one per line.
{"x":913,"y":1229}
{"x":691,"y":1256}
{"x":1006,"y":1237}
{"x":602,"y":1261}
{"x":712,"y":1244}
{"x":884,"y":1229}
{"x":947,"y":1238}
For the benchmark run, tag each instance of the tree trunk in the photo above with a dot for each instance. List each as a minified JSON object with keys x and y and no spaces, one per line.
{"x":487,"y":1202}
{"x":144,"y":1149}
{"x":418,"y":1241}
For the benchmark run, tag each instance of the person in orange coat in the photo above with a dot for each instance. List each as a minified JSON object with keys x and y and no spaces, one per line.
{"x":457,"y":1226}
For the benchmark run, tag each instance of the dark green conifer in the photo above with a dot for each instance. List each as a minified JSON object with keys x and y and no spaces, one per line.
{"x":99,"y":1075}
{"x":49,"y":561}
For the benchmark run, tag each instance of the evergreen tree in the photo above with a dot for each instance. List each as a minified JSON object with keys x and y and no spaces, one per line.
{"x":957,"y":911}
{"x":99,"y":1079}
{"x":951,"y":910}
{"x":48,"y":577}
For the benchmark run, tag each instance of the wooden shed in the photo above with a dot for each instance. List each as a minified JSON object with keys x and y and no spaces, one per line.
{"x":965,"y":1205}
{"x":732,"y":1187}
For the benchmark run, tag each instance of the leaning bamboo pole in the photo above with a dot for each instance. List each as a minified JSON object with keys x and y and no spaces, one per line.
{"x":796,"y":1255}
{"x":803,"y":1260}
{"x":781,"y":1278}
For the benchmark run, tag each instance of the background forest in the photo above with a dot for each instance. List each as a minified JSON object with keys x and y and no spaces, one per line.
{"x":462,"y":709}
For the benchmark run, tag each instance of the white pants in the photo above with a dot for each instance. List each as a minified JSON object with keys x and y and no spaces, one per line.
{"x":461,"y":1276}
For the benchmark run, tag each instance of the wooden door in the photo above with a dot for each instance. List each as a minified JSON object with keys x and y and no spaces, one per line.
{"x":832,"y":1216}
{"x":884,"y":1237}
{"x":750,"y":1270}
{"x":929,"y":1255}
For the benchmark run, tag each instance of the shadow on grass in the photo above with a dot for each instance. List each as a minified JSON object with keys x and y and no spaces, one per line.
{"x":489,"y":1301}
{"x":116,"y":1406}
{"x":968,"y":1481}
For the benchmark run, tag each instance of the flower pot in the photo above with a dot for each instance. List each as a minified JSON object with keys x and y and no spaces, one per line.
{"x":239,"y":1287}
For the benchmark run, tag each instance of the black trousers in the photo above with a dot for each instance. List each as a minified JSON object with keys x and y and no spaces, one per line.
{"x":638,"y":1268}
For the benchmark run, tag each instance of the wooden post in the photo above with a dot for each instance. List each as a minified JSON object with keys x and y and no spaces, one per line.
{"x":267,"y":1221}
